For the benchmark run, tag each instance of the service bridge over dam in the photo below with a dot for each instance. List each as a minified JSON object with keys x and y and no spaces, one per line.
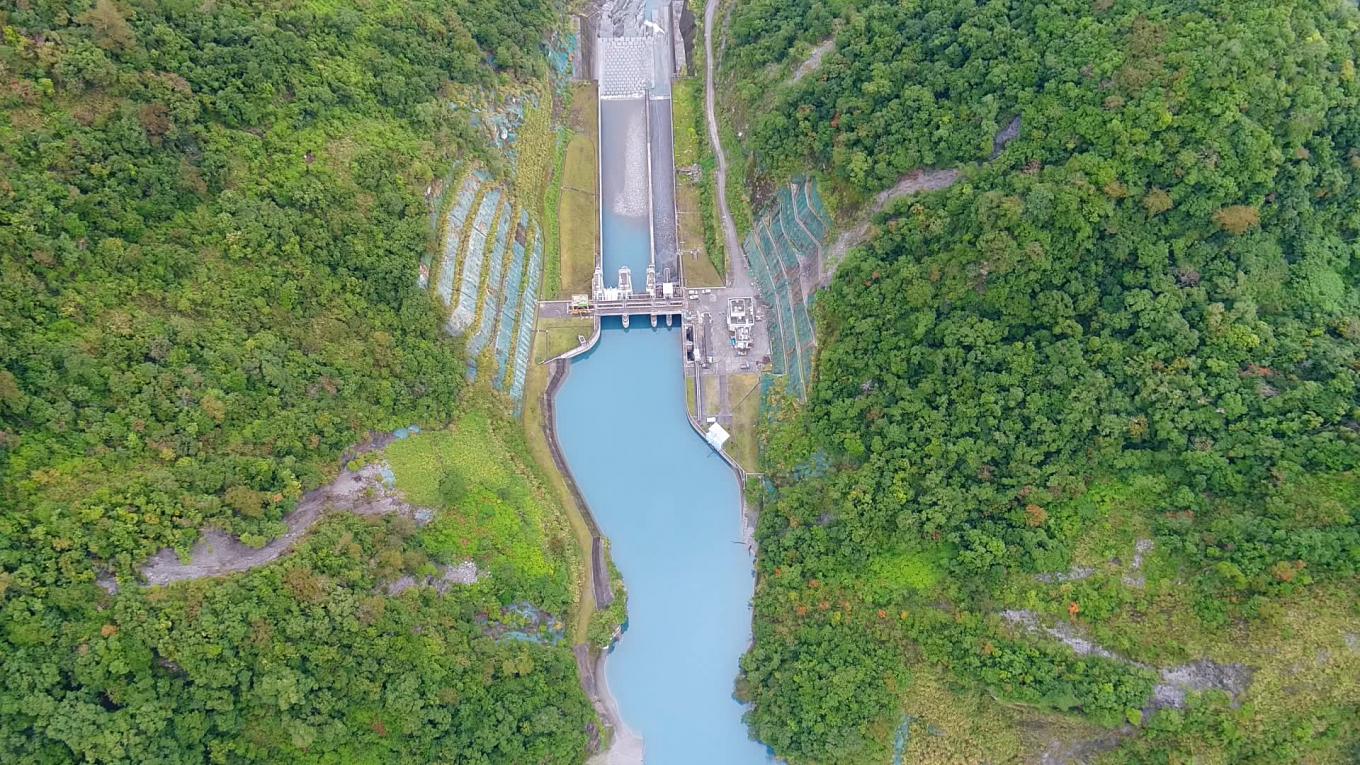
{"x":638,"y":271}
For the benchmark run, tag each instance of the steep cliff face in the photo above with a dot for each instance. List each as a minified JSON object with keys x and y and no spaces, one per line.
{"x":1078,"y":455}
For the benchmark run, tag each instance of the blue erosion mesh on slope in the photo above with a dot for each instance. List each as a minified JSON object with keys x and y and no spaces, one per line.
{"x":491,"y":290}
{"x":759,"y":270}
{"x":512,"y":302}
{"x":788,"y":253}
{"x":770,"y":246}
{"x":562,"y":54}
{"x":470,"y":275}
{"x":790,"y":233}
{"x":780,"y":321}
{"x":802,"y":329}
{"x":816,"y":206}
{"x":453,"y":236}
{"x":782,"y":336}
{"x":798,"y":236}
{"x":802,"y":206}
{"x":448,"y":187}
{"x":526,"y":325}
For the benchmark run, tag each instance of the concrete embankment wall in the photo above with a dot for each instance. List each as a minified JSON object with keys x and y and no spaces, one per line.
{"x":604,"y":592}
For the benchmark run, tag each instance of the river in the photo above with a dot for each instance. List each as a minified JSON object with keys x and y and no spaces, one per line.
{"x":668,"y":503}
{"x":670,"y":507}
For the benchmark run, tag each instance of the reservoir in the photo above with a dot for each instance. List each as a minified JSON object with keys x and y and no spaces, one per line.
{"x":670,"y":507}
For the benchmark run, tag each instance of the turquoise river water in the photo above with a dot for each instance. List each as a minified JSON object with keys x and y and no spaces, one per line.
{"x":668,"y":503}
{"x":670,"y":507}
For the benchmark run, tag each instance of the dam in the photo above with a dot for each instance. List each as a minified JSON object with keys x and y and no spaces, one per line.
{"x":669,"y":503}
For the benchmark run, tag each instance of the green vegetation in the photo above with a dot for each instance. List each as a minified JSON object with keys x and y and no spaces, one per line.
{"x":744,"y":395}
{"x":303,"y":661}
{"x":495,"y":510}
{"x":532,"y":424}
{"x":552,"y":222}
{"x":580,"y":199}
{"x":1134,"y":329}
{"x":554,"y":337}
{"x":606,"y":623}
{"x":694,"y":182}
{"x":538,"y":175}
{"x":210,"y":225}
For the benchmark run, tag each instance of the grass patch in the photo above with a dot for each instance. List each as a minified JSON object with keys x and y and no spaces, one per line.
{"x":578,"y":207}
{"x":916,"y":570}
{"x":536,"y":174}
{"x":583,"y":612}
{"x":491,"y":507}
{"x":580,"y":221}
{"x":743,"y":395}
{"x":552,"y":222}
{"x":700,"y":270}
{"x":710,"y":392}
{"x":687,"y":96}
{"x":553,"y":337}
{"x":956,"y":726}
{"x":701,"y":239}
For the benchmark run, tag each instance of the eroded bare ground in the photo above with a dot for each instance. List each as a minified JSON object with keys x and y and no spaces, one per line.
{"x":368,"y":491}
{"x":915,"y":182}
{"x":1083,"y":750}
{"x":814,"y":60}
{"x":1176,"y":682}
{"x":464,"y":573}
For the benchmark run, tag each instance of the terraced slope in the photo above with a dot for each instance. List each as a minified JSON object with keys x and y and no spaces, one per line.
{"x":487,"y":277}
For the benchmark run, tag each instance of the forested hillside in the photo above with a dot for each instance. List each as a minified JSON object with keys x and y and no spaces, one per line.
{"x":1104,"y":387}
{"x":211,"y":217}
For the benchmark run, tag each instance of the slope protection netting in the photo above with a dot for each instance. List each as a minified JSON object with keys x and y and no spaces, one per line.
{"x":439,"y":210}
{"x":525,"y":341}
{"x":808,"y":206}
{"x":453,"y":237}
{"x":786,"y":240}
{"x":798,"y":235}
{"x":760,"y":269}
{"x":491,"y":289}
{"x":774,"y":225}
{"x":470,"y":275}
{"x":512,"y":302}
{"x":788,"y":298}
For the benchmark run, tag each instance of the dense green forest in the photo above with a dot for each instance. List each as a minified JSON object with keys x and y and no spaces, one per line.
{"x":1132,"y":334}
{"x":210,"y":221}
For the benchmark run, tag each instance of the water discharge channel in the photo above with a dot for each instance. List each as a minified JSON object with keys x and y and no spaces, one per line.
{"x":669,"y":504}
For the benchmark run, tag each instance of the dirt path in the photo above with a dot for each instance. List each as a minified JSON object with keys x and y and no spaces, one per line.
{"x":369,"y":491}
{"x":736,"y":259}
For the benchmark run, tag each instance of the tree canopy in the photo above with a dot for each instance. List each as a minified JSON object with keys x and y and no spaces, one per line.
{"x":1152,"y":288}
{"x":211,"y":218}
